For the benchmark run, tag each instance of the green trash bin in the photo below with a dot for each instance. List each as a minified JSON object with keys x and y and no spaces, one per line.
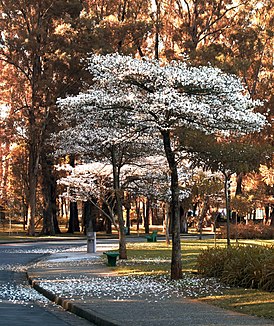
{"x":112,"y":257}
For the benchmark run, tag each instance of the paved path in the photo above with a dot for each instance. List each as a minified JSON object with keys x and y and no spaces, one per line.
{"x":62,"y":277}
{"x":19,"y":304}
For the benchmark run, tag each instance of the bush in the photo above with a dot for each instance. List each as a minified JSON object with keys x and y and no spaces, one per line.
{"x":267,"y":280}
{"x":249,"y":231}
{"x":244,"y":266}
{"x":211,"y":262}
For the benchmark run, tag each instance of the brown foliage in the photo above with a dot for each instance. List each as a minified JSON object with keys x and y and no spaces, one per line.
{"x":249,"y":231}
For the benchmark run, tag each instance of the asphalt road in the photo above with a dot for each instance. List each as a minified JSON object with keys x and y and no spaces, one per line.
{"x":21,"y":305}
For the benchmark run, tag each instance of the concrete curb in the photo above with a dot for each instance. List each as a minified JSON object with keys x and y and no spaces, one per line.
{"x":89,"y":314}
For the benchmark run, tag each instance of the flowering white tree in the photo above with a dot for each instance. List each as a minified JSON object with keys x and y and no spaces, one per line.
{"x":148,"y":177}
{"x":162,"y":97}
{"x":107,"y":133}
{"x":90,"y":182}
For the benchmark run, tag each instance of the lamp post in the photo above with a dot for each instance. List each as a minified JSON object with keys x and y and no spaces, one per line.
{"x":227,"y":202}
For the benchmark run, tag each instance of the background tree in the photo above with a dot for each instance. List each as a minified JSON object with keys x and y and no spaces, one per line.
{"x":37,"y":56}
{"x":229,"y":157}
{"x":119,"y":26}
{"x":206,"y":191}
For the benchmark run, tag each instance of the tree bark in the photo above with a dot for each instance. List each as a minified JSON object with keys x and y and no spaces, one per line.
{"x":50,"y":223}
{"x":73,"y":218}
{"x":167,"y":223}
{"x":202,"y":216}
{"x":146,"y":215}
{"x":33,"y":180}
{"x":90,"y":212}
{"x":128,"y":220}
{"x":157,"y":30}
{"x":73,"y":210}
{"x":176,"y":259}
{"x":227,"y":201}
{"x":239,"y":179}
{"x":118,"y":195}
{"x":272,"y":216}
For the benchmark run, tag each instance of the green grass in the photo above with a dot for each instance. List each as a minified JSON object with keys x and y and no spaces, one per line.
{"x":22,"y":236}
{"x":248,"y":301}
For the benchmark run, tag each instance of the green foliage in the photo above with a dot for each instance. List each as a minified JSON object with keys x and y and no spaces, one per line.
{"x":244,"y":266}
{"x":211,"y":261}
{"x":236,"y":155}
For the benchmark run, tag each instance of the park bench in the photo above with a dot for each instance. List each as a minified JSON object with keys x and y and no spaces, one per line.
{"x":152,"y":237}
{"x":112,"y":257}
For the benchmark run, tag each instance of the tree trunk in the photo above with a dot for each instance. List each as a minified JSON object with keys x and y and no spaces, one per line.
{"x":33,"y":180}
{"x":167,"y":222}
{"x":157,"y":31}
{"x":118,"y":194}
{"x":202,"y":216}
{"x":184,"y":226}
{"x":73,"y":218}
{"x":90,"y":212}
{"x":138,"y":213}
{"x":50,"y":223}
{"x":127,"y":205}
{"x":73,"y":210}
{"x":146,"y":215}
{"x":122,"y":19}
{"x":87,"y":217}
{"x":267,"y":213}
{"x":176,"y":259}
{"x":128,"y":220}
{"x":227,"y":201}
{"x":272,"y":216}
{"x":239,"y":180}
{"x":108,"y":225}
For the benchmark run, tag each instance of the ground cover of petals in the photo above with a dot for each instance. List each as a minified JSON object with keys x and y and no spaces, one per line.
{"x":57,"y":249}
{"x":20,"y":294}
{"x":151,"y":288}
{"x":23,"y":293}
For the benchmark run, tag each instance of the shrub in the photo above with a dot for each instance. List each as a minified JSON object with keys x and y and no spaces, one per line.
{"x":267,"y":279}
{"x":245,"y":266}
{"x":211,"y":262}
{"x":249,"y":231}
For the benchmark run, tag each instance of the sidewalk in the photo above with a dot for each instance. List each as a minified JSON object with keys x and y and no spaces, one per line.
{"x":83,"y":284}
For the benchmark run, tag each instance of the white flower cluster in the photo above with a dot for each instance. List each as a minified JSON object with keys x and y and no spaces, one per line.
{"x":176,"y":94}
{"x":148,"y":177}
{"x":131,"y":98}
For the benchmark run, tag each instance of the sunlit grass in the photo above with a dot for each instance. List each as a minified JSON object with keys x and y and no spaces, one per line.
{"x":22,"y":236}
{"x":248,"y":301}
{"x":147,"y":256}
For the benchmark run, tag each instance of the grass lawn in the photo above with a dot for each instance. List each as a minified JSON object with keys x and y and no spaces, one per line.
{"x":154,"y":258}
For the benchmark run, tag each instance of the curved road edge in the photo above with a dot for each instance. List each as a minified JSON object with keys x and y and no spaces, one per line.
{"x":89,"y":315}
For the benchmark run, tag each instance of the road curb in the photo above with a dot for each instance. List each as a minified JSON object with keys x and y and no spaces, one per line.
{"x":89,"y":315}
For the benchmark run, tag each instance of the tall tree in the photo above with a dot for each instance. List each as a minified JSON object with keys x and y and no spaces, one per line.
{"x":30,"y":32}
{"x":161,"y":98}
{"x":119,"y":26}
